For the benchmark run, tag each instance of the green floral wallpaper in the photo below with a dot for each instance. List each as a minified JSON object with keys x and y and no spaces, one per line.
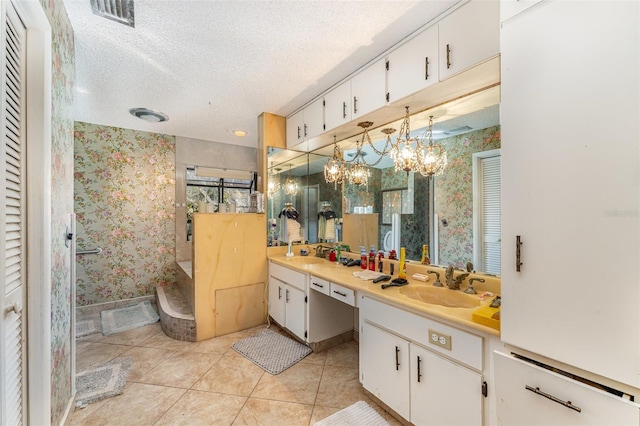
{"x":454,"y":194}
{"x":62,"y":86}
{"x":125,"y":203}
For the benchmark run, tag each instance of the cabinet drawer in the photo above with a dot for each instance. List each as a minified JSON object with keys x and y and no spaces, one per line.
{"x":529,"y":394}
{"x":343,"y":294}
{"x":462,"y":346}
{"x":318,"y":284}
{"x":288,"y":276}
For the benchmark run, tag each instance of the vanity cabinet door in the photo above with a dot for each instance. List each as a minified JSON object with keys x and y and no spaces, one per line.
{"x":276,"y":300}
{"x":295,"y":311}
{"x":368,"y":91}
{"x":337,"y":106}
{"x":569,"y":192}
{"x":305,"y":124}
{"x":295,"y":129}
{"x":468,"y":36}
{"x":384,"y":367}
{"x":414,"y":65}
{"x":443,"y":393}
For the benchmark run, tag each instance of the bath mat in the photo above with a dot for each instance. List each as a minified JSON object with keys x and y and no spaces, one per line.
{"x":271,"y":350}
{"x":103,"y":381}
{"x":86,"y":328}
{"x":123,"y":319}
{"x":356,"y":414}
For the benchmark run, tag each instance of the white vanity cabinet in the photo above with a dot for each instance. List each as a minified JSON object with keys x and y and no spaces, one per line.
{"x":413,"y":65}
{"x":288,"y":299}
{"x":305,"y":124}
{"x":468,"y":36}
{"x":570,"y":186}
{"x":529,"y":394}
{"x":425,"y":370}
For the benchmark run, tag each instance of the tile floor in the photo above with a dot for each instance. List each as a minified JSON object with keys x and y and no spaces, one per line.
{"x":208,"y":383}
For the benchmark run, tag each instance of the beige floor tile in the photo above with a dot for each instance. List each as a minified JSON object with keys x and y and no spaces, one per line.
{"x":261,"y":412}
{"x":95,"y":353}
{"x":233,"y":375}
{"x":298,"y":383}
{"x":255,"y":330}
{"x":181,"y":369}
{"x":162,"y":341}
{"x":320,"y":413}
{"x":317,"y":358}
{"x":218,"y":345}
{"x":144,"y":360}
{"x":133,"y":337}
{"x":90,"y":338}
{"x":344,"y":355}
{"x":140,"y":404}
{"x":339,"y":387}
{"x":197,"y":408}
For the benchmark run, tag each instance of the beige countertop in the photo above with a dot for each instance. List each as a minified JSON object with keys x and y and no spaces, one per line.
{"x":343,"y":275}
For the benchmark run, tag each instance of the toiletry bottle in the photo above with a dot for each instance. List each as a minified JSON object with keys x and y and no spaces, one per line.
{"x":392,"y":256}
{"x":402,"y":268}
{"x":338,"y":253}
{"x":372,"y":259}
{"x":380,"y":263}
{"x":363,"y":258}
{"x":425,"y":255}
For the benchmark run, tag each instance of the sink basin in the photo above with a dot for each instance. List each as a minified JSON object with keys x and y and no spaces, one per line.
{"x":305,"y":260}
{"x":441,"y":296}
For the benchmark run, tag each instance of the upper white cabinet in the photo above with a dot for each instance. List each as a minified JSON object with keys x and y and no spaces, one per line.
{"x":571,"y":185}
{"x":337,"y":109}
{"x":414,"y":65}
{"x":305,"y":124}
{"x":368,"y":90}
{"x":469,"y":36}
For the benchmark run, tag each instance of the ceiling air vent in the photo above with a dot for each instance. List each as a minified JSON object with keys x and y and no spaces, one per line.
{"x":457,"y":130}
{"x":116,"y":10}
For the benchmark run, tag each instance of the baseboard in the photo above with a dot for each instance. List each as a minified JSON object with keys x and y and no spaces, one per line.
{"x":67,"y":412}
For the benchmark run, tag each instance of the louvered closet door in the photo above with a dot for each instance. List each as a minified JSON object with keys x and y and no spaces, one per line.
{"x":490,"y":223}
{"x":13,"y":267}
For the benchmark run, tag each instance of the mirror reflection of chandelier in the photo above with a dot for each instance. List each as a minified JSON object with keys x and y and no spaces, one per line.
{"x":273,"y":183}
{"x":290,"y":185}
{"x":433,"y":158}
{"x":334,"y":168}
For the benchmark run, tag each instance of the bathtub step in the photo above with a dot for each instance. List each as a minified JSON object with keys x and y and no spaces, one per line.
{"x":176,"y":318}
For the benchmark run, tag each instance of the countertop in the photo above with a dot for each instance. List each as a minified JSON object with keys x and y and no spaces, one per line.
{"x":343,"y":275}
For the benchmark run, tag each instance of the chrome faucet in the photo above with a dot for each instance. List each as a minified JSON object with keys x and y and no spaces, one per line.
{"x":454,"y":282}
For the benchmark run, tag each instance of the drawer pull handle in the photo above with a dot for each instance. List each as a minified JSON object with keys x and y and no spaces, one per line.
{"x":567,"y":404}
{"x":279,"y":293}
{"x":355,"y":105}
{"x":426,"y":68}
{"x":344,"y":110}
{"x":419,"y":372}
{"x":448,"y":57}
{"x":287,"y":298}
{"x":397,"y":358}
{"x":340,"y":293}
{"x":518,"y":254}
{"x":318,"y":285}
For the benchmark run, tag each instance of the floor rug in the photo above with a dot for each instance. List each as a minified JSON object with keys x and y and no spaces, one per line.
{"x":103,"y":381}
{"x":86,"y":328}
{"x":271,"y":350}
{"x":127,"y":318}
{"x":356,"y":414}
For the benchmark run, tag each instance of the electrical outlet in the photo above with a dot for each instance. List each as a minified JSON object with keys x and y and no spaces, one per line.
{"x":439,"y":339}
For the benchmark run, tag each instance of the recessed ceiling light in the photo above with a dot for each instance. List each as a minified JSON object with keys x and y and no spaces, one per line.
{"x":149,"y":115}
{"x":239,"y":133}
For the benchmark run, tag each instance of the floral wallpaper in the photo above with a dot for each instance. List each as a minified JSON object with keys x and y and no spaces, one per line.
{"x":125,"y":204}
{"x":62,"y":86}
{"x":454,"y":194}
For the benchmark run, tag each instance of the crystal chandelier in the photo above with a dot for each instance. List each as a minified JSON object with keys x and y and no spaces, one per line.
{"x":433,"y":158}
{"x":334,"y":169}
{"x":402,"y":153}
{"x":273,"y":183}
{"x":290,"y":185}
{"x":358,"y":172}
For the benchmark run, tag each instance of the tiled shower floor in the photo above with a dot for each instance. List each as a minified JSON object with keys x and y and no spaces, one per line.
{"x":208,"y":383}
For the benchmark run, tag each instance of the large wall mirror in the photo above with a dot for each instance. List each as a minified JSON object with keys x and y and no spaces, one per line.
{"x":457,"y":213}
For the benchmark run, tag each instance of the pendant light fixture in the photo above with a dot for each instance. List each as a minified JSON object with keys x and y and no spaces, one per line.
{"x":290,"y":185}
{"x":403,"y":153}
{"x":273,"y":182}
{"x":358,"y":172}
{"x":334,"y":168}
{"x":433,"y":158}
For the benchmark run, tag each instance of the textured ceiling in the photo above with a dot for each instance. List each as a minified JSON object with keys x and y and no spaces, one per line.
{"x":214,"y":66}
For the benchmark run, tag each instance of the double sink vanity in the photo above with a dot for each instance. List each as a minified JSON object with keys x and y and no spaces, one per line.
{"x":422,"y":354}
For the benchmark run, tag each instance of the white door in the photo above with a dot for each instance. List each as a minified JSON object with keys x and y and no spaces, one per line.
{"x":295,"y":311}
{"x":12,"y":225}
{"x":276,"y":300}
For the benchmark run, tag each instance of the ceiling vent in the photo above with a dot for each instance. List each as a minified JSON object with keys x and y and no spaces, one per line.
{"x":457,"y":130}
{"x":116,"y":10}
